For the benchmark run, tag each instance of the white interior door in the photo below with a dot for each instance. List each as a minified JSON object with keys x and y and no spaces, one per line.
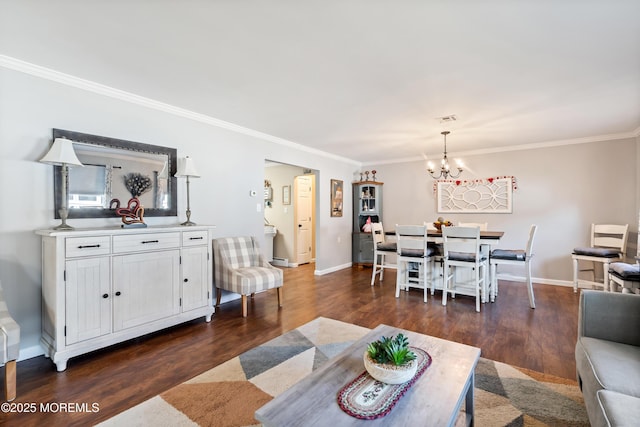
{"x":304,"y":214}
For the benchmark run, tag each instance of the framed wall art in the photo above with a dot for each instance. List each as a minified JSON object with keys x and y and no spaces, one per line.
{"x":286,"y":194}
{"x":337,"y":187}
{"x":490,"y":195}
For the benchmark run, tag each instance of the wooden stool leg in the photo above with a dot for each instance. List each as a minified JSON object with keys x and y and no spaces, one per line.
{"x":280,"y":297}
{"x":10,"y":380}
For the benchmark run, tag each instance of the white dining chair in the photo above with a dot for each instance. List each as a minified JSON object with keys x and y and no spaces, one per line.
{"x":414,"y":259}
{"x":461,"y":247}
{"x":625,"y":276}
{"x":513,"y":257}
{"x":381,"y":248}
{"x":608,"y":244}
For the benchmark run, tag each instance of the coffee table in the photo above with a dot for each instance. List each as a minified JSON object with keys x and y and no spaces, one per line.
{"x":435,"y":399}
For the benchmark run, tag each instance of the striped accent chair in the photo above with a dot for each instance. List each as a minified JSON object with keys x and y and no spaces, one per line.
{"x":240,"y":267}
{"x":10,"y":349}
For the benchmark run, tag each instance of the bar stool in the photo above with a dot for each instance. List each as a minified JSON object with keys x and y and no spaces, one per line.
{"x":514,"y":257}
{"x":462,"y":250}
{"x":414,"y":258}
{"x":607,"y":245}
{"x":381,"y":248}
{"x":627,"y":276}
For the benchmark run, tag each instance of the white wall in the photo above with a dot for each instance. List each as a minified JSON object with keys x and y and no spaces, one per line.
{"x":561,"y":189}
{"x":231,"y":165}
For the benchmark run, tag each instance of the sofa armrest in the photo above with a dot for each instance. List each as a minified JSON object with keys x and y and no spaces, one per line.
{"x":609,"y":316}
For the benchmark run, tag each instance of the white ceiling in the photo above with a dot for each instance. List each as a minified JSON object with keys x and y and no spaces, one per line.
{"x":362,"y":79}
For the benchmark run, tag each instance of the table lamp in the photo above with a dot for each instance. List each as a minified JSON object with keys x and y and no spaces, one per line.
{"x":62,"y":154}
{"x":186,"y":168}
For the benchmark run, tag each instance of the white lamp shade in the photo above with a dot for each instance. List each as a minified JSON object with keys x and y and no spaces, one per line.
{"x":186,"y":167}
{"x":61,"y":153}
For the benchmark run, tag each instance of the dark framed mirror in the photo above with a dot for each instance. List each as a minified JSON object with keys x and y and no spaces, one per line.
{"x":116,"y":169}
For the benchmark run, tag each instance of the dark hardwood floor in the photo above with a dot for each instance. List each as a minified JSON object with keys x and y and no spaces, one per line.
{"x":129,"y":373}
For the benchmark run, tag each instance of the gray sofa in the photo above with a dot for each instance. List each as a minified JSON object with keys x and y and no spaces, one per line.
{"x":608,"y":357}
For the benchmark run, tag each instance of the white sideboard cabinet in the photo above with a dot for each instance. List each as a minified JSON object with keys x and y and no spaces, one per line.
{"x":102,"y":286}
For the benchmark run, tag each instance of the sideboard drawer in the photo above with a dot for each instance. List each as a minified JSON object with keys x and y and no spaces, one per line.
{"x":87,"y":246}
{"x":145,"y":242}
{"x":195,"y":238}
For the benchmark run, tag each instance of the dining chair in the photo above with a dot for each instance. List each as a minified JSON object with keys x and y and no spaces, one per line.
{"x":381,"y":248}
{"x":436,"y":251}
{"x":239,"y":266}
{"x":513,"y":257}
{"x":462,"y":250}
{"x":414,"y":258}
{"x":626,"y":276}
{"x":608,"y":244}
{"x":484,"y":226}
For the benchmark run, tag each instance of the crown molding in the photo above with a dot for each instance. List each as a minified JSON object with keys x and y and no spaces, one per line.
{"x":534,"y":146}
{"x":90,"y":86}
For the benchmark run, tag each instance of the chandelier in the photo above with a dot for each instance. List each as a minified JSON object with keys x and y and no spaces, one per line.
{"x":445,"y":170}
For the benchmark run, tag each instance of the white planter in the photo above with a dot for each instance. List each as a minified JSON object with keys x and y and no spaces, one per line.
{"x":390,"y":374}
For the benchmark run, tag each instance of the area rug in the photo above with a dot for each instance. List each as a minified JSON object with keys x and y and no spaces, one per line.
{"x":229,"y":394}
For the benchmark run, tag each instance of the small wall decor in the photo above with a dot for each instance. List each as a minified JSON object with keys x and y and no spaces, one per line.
{"x":493,"y":195}
{"x":336,"y":197}
{"x":286,"y":194}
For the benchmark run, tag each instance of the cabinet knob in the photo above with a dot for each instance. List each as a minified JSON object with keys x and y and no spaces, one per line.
{"x":186,"y":280}
{"x":105,"y":295}
{"x":118,"y":293}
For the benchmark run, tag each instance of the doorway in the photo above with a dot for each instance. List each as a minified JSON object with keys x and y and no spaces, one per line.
{"x":292,"y":210}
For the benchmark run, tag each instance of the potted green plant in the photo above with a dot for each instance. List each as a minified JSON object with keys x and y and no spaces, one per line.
{"x":390,"y":360}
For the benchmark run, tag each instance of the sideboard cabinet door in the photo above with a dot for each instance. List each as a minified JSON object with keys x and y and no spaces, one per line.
{"x":88,"y":299}
{"x":146,"y":287}
{"x":195,"y":292}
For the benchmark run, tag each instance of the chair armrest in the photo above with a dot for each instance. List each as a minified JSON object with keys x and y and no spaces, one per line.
{"x":10,"y":331}
{"x":609,"y":316}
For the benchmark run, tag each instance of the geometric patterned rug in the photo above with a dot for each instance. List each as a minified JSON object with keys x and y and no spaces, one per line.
{"x":229,"y":394}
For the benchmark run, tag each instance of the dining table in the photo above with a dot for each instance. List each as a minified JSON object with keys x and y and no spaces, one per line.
{"x":487,"y":239}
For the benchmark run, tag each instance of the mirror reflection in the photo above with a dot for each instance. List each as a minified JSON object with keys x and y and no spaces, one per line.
{"x":118,"y":169}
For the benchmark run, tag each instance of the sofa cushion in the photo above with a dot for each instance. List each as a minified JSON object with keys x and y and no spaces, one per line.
{"x":599,"y":252}
{"x":248,"y":280}
{"x":625,"y":271}
{"x":610,"y":365}
{"x":619,"y":409}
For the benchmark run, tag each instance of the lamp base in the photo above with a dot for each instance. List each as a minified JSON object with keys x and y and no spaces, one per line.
{"x":64,"y":213}
{"x":188,"y":221}
{"x":63,"y":226}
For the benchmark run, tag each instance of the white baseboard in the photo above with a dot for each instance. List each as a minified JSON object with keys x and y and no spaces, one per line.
{"x":280,"y":262}
{"x":332,"y":269}
{"x":540,"y":280}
